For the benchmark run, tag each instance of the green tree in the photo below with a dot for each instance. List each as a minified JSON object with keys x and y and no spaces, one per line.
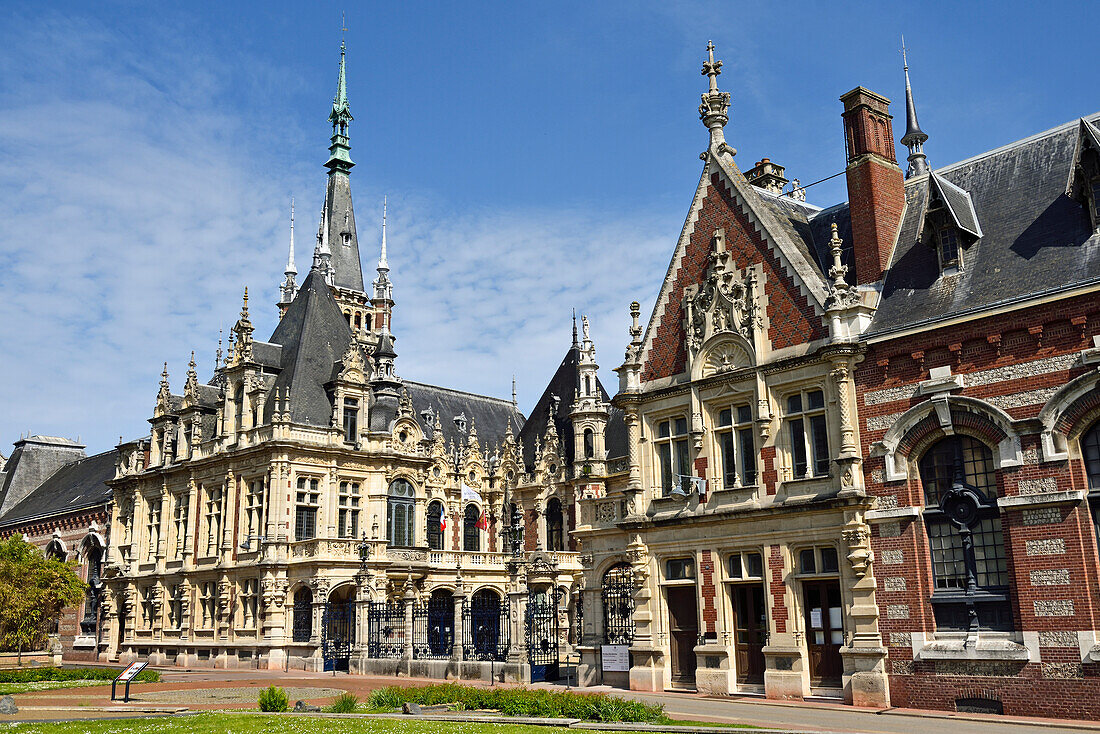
{"x":33,"y":590}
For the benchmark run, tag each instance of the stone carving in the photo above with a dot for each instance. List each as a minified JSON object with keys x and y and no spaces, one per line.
{"x":605,"y":512}
{"x":725,"y":302}
{"x":858,"y":540}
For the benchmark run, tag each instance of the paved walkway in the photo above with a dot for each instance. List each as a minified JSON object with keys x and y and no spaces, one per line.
{"x":238,"y":689}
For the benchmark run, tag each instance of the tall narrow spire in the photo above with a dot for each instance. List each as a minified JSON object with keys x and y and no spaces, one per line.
{"x":340,"y":149}
{"x":575,"y":342}
{"x":382,"y":301}
{"x":383,"y":262}
{"x":290,"y":286}
{"x":715,"y":106}
{"x":322,"y":254}
{"x":914,"y":137}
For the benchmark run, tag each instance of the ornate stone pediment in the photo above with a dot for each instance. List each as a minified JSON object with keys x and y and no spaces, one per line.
{"x":725,"y":356}
{"x":724,"y":303}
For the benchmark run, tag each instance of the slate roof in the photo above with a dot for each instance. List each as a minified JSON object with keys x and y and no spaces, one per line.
{"x":75,"y":486}
{"x":312,"y":335}
{"x":811,"y":229}
{"x":345,"y":258}
{"x":1034,"y":239}
{"x":491,"y":416}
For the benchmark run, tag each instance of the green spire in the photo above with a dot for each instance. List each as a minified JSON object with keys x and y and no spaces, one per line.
{"x":340,"y":149}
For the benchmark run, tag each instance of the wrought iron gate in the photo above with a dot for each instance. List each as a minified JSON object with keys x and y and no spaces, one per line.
{"x":485,"y":631}
{"x":618,"y":606}
{"x":434,"y":629}
{"x":386,"y":629}
{"x":337,"y":634}
{"x":542,"y":634}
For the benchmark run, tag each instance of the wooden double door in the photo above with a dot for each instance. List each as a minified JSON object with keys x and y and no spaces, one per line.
{"x":824,"y":631}
{"x":750,"y":631}
{"x":683,"y":618}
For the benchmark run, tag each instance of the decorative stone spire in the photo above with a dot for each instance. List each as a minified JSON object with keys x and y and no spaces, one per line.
{"x":322,"y":253}
{"x":164,"y":393}
{"x":340,"y":150}
{"x":243,"y":331}
{"x":290,"y":286}
{"x":914,"y":137}
{"x":191,"y":388}
{"x":382,"y":301}
{"x":383,"y":261}
{"x":713,"y":111}
{"x":575,"y":341}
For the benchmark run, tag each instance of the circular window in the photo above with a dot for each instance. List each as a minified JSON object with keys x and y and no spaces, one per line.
{"x":510,"y":475}
{"x":403,"y":436}
{"x":553,"y":468}
{"x":470,"y":476}
{"x":435,"y":472}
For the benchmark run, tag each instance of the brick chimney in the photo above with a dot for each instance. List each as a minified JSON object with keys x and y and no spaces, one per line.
{"x":876,"y":188}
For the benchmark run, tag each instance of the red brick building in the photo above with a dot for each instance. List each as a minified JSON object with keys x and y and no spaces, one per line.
{"x":979,"y":413}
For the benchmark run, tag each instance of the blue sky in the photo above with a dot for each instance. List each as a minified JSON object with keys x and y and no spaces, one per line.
{"x":537,"y":157}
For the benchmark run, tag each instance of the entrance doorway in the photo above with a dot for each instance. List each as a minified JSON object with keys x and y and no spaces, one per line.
{"x":683,"y":617}
{"x":338,"y":629}
{"x":750,"y":624}
{"x":824,"y":631}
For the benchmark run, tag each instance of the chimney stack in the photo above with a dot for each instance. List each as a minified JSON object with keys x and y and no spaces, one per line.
{"x":876,"y":188}
{"x":768,"y":176}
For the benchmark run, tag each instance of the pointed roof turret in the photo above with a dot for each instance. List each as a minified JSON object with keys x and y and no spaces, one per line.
{"x":289,"y":288}
{"x":340,"y":150}
{"x":383,"y":262}
{"x":914,"y":137}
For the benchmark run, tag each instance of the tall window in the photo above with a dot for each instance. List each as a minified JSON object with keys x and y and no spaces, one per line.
{"x":147,"y":606}
{"x":348,"y":513}
{"x":213,"y":518}
{"x":808,"y":434}
{"x":207,"y":594}
{"x":238,"y":408}
{"x":303,"y":614}
{"x":399,"y":513}
{"x":435,"y":525}
{"x":254,"y":513}
{"x":471,"y":538}
{"x":554,"y":523}
{"x":949,"y":247}
{"x":351,"y":420}
{"x":672,"y":452}
{"x":589,"y":443}
{"x":175,"y":607}
{"x":306,"y":501}
{"x":250,"y":595}
{"x":963,"y":462}
{"x":152,"y":528}
{"x":738,"y":446}
{"x":1090,"y":450}
{"x":179,"y":520}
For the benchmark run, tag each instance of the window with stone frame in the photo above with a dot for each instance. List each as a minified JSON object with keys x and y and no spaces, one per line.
{"x":307,"y":501}
{"x":181,"y":503}
{"x":400,"y":513}
{"x":238,"y":409}
{"x":555,"y":525}
{"x":1090,"y":453}
{"x":175,"y":606}
{"x":947,"y":240}
{"x":148,"y":613}
{"x":250,"y":603}
{"x":818,"y":560}
{"x":673,"y":454}
{"x":807,"y":434}
{"x":435,"y":525}
{"x":208,"y":591}
{"x":965,"y":462}
{"x":213,"y":518}
{"x":255,"y":492}
{"x":471,"y":537}
{"x":347,"y":514}
{"x":126,"y":526}
{"x":737,"y":446}
{"x":589,"y":440}
{"x":152,"y":528}
{"x":351,"y":420}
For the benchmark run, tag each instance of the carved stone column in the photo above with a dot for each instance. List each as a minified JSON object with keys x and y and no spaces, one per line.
{"x":634,"y":484}
{"x":864,"y":654}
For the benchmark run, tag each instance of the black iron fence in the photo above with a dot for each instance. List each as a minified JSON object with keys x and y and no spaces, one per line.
{"x":618,"y":606}
{"x":485,"y":631}
{"x":434,"y":629}
{"x":386,"y":629}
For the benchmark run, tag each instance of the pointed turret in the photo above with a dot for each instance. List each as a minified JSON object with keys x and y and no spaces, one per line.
{"x":914,"y":137}
{"x":322,"y":253}
{"x":290,"y":287}
{"x":714,"y":110}
{"x":340,"y":150}
{"x":382,"y":301}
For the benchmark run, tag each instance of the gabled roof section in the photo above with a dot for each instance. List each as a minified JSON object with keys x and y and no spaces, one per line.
{"x":959,"y":204}
{"x":1088,"y":138}
{"x":77,"y":485}
{"x":490,"y":416}
{"x":312,"y":335}
{"x":1035,"y":239}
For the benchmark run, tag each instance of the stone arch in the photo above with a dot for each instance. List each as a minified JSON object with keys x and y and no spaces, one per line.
{"x":945,"y":415}
{"x":1068,"y":413}
{"x":723,"y":352}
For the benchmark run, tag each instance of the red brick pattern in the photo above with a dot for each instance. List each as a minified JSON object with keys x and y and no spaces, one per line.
{"x":876,"y":191}
{"x":792,"y":318}
{"x":710,"y":611}
{"x":778,"y":588}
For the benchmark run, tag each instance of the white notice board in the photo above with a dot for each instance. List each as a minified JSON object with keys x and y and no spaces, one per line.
{"x":616,"y":658}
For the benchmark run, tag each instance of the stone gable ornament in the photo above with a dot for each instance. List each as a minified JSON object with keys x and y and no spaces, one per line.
{"x":724,"y":303}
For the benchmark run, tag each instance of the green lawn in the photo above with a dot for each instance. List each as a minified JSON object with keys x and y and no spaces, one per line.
{"x":215,"y":723}
{"x":45,"y":685}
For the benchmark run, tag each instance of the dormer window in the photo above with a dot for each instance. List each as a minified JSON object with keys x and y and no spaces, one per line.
{"x":351,"y":420}
{"x":346,"y":238}
{"x":948,"y":240}
{"x":1084,"y":178}
{"x":950,"y":222}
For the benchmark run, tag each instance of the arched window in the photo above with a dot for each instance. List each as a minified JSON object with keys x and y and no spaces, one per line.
{"x":238,"y":407}
{"x":435,"y":525}
{"x":471,"y":538}
{"x":1090,"y":451}
{"x":618,"y":605}
{"x":589,"y":443}
{"x":554,"y":525}
{"x":399,"y":513}
{"x":960,"y":490}
{"x":303,"y":614}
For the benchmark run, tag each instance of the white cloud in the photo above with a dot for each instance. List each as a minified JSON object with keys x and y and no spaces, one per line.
{"x":136,"y":203}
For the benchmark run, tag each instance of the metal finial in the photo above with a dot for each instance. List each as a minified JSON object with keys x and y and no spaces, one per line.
{"x":574,"y":327}
{"x":712,"y":68}
{"x":383,"y":261}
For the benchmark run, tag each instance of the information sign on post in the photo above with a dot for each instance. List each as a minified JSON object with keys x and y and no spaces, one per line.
{"x":127,"y":676}
{"x":615,"y":658}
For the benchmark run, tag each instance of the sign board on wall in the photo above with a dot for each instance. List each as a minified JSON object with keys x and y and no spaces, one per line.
{"x":615,"y":658}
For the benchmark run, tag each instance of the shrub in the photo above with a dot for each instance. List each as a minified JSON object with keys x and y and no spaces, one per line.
{"x":273,"y":699}
{"x":345,"y":703}
{"x":31,"y":675}
{"x":523,"y":702}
